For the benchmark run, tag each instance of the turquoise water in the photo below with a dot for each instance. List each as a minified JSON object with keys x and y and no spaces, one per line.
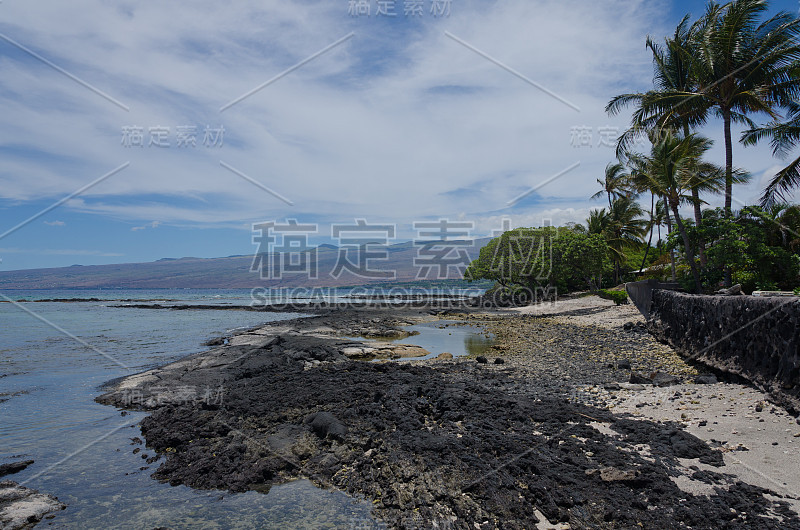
{"x":49,"y":378}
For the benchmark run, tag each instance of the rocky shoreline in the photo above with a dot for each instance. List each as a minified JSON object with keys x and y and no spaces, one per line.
{"x":531,"y":440}
{"x":22,"y":507}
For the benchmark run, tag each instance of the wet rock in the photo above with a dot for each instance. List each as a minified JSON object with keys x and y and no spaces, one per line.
{"x":216,"y":341}
{"x":14,"y":467}
{"x":481,"y":359}
{"x":22,"y":507}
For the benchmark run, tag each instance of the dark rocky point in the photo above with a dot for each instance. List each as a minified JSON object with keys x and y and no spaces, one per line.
{"x":661,"y":379}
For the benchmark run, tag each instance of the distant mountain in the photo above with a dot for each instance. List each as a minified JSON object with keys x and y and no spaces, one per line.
{"x":233,"y":272}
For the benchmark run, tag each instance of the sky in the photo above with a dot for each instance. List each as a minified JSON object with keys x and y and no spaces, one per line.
{"x":134,"y":131}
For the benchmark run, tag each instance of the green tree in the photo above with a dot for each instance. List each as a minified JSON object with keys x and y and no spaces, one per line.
{"x":540,"y":259}
{"x":758,"y":246}
{"x":622,"y":227}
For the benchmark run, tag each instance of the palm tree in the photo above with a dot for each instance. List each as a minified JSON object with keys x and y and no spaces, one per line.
{"x":614,"y":184}
{"x":660,"y":217}
{"x":738,"y":67}
{"x":673,"y":162}
{"x":642,"y":180}
{"x":621,"y":226}
{"x":597,"y":221}
{"x":783,"y":137}
{"x":672,"y":65}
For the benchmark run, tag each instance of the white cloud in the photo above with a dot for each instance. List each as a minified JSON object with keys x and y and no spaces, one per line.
{"x":398,"y":123}
{"x":153,"y":224}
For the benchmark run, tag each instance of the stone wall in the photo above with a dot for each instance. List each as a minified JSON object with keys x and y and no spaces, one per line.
{"x":755,"y":338}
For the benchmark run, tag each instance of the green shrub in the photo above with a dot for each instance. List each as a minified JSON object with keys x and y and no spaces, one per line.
{"x":619,"y":297}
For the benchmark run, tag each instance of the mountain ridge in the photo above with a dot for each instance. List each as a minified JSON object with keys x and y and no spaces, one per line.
{"x":234,"y":272}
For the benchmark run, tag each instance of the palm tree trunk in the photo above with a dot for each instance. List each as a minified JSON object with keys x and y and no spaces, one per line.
{"x":669,"y":230}
{"x":650,"y":240}
{"x":698,"y":219}
{"x":726,"y":116}
{"x":688,"y":246}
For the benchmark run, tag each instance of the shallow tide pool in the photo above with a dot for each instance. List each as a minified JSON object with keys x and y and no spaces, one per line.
{"x":83,"y":451}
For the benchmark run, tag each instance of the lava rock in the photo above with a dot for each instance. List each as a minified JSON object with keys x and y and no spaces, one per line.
{"x":624,"y":364}
{"x":14,"y":467}
{"x":661,"y":379}
{"x":482,"y":360}
{"x":499,"y":361}
{"x":733,"y":291}
{"x":324,"y":424}
{"x":707,"y":379}
{"x":639,"y":379}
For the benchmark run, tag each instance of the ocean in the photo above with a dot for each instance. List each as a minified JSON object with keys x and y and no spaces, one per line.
{"x":49,"y":378}
{"x":54,"y":358}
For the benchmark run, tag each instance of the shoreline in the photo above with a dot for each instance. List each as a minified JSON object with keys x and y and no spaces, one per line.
{"x":431,"y":442}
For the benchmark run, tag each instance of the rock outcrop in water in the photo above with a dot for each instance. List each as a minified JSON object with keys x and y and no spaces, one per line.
{"x":449,"y":444}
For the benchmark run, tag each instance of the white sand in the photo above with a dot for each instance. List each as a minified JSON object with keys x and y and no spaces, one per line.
{"x":728,"y":410}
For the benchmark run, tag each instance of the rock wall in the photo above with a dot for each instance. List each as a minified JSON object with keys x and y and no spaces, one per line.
{"x":755,"y":338}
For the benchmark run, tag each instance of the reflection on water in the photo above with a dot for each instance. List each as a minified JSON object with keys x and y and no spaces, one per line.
{"x":449,"y":336}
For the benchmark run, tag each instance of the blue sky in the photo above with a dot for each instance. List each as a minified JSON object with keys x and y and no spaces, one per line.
{"x":406,"y":119}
